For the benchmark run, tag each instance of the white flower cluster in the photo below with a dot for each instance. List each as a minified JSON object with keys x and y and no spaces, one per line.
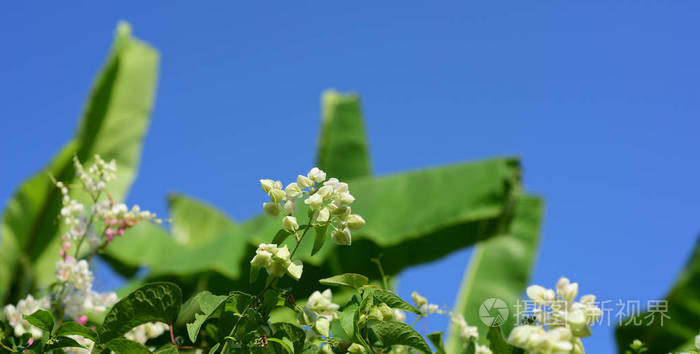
{"x":14,"y":315}
{"x":329,"y":200}
{"x":146,"y":331}
{"x":99,"y":174}
{"x":319,"y":311}
{"x":425,"y":308}
{"x":276,"y":261}
{"x":118,"y":217}
{"x":78,"y":296}
{"x":567,"y":320}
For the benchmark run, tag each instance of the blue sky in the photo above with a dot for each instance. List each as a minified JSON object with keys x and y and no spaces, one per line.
{"x":599,"y":99}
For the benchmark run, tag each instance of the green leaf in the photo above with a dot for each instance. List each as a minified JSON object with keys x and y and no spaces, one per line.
{"x":62,"y":342}
{"x":497,"y":343}
{"x":683,"y":311}
{"x":500,"y":269}
{"x":290,"y":331}
{"x":195,"y":222}
{"x":320,"y":238}
{"x":212,"y":307}
{"x":343,"y":151}
{"x":150,"y":303}
{"x":310,"y":348}
{"x":393,"y":332}
{"x":394,"y":301}
{"x":352,"y":280}
{"x":347,"y":317}
{"x":113,"y":125}
{"x":167,"y":349}
{"x":280,"y":236}
{"x":201,"y":302}
{"x":122,"y":345}
{"x":436,"y":339}
{"x":207,"y":303}
{"x":74,"y":328}
{"x":42,"y":320}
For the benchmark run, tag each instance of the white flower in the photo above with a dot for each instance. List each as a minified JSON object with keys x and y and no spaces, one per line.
{"x":567,"y":290}
{"x":697,"y":342}
{"x":323,"y":216}
{"x":263,"y":255}
{"x":482,"y":349}
{"x":289,"y":224}
{"x":317,"y":175}
{"x":290,"y":207}
{"x":418,"y":299}
{"x":146,"y":331}
{"x":342,"y":237}
{"x":293,"y":191}
{"x":466,"y":332}
{"x":272,"y":208}
{"x":294,"y":269}
{"x":277,"y":195}
{"x":322,"y":326}
{"x":399,"y":315}
{"x":540,"y":295}
{"x":25,"y":307}
{"x":344,"y":199}
{"x":322,"y":303}
{"x":304,"y":182}
{"x":355,"y":221}
{"x":76,"y":272}
{"x":314,"y":202}
{"x":326,"y":192}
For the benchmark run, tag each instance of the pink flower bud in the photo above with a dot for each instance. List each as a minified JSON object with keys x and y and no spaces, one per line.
{"x":82,"y":320}
{"x":30,"y":342}
{"x":63,"y":253}
{"x":120,"y":232}
{"x":66,"y":245}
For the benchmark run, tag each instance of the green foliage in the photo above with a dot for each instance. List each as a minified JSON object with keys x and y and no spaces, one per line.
{"x":389,"y":333}
{"x":113,"y":125}
{"x":61,"y":342}
{"x":292,"y":332}
{"x":207,"y":303}
{"x":42,"y":320}
{"x":150,"y":303}
{"x":73,"y":328}
{"x":498,"y":344}
{"x":351,"y":280}
{"x":500,"y":268}
{"x":436,"y":339}
{"x":393,"y":301}
{"x":343,"y":135}
{"x":122,"y":345}
{"x":682,"y":323}
{"x":194,"y":222}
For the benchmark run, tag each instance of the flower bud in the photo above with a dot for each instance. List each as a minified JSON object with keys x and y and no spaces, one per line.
{"x":344,"y":199}
{"x":375,"y":314}
{"x":295,"y":269}
{"x":290,"y":207}
{"x":317,"y":175}
{"x":326,"y":192}
{"x":323,"y":216}
{"x":293,"y":191}
{"x":537,"y":294}
{"x":342,"y":237}
{"x":304,"y":182}
{"x":277,"y":195}
{"x":387,"y":312}
{"x":267,"y":185}
{"x":355,"y":348}
{"x":261,"y":259}
{"x":314,"y":202}
{"x":418,"y":300}
{"x":569,"y":291}
{"x":322,"y":326}
{"x":355,"y":221}
{"x":272,"y":208}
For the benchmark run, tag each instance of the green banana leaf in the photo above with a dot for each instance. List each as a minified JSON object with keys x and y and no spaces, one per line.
{"x":113,"y":125}
{"x":343,"y":151}
{"x":194,"y":222}
{"x":683,"y":322}
{"x":499,"y":268}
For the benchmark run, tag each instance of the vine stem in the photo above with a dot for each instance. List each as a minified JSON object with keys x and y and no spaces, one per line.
{"x":308,"y":226}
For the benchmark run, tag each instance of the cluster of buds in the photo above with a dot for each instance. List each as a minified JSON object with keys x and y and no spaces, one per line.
{"x":425,"y":308}
{"x":319,"y":311}
{"x":98,"y":175}
{"x":276,"y":261}
{"x":328,"y":202}
{"x":566,"y":320}
{"x":117,"y":218}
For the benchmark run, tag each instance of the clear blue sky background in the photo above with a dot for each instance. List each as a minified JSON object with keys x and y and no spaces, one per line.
{"x":599,"y":99}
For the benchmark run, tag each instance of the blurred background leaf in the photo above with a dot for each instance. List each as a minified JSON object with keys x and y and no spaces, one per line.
{"x":113,"y":125}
